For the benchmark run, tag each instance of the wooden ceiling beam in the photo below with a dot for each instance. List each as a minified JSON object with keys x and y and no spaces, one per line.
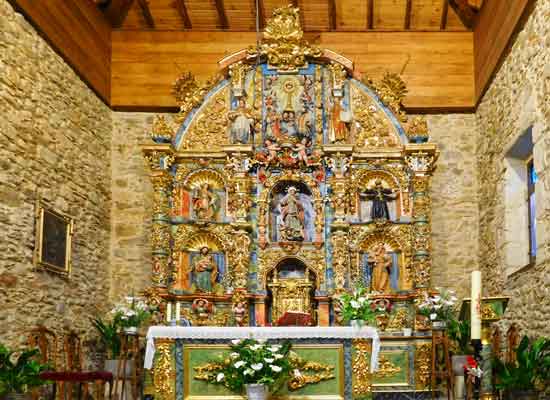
{"x":464,"y":12}
{"x":444,"y":15}
{"x":408,"y":8}
{"x":116,"y":11}
{"x":144,"y":5}
{"x":370,"y":14}
{"x":332,"y":14}
{"x":261,"y":14}
{"x":223,"y":22}
{"x":182,"y":9}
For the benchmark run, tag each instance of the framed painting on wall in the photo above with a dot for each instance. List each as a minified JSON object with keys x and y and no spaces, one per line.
{"x":54,"y":232}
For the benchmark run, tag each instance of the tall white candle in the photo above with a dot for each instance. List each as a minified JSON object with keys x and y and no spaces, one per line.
{"x":475,"y":306}
{"x":178,"y":310}
{"x":168,"y":312}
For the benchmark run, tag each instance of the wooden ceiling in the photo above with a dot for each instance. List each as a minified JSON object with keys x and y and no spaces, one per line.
{"x":317,"y":15}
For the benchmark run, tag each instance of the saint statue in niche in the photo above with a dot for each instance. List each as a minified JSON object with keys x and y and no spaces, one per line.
{"x":379,"y":196}
{"x":242,"y":122}
{"x":380,"y":263}
{"x":339,"y":119}
{"x":205,"y":202}
{"x":292,"y":214}
{"x":205,"y":271}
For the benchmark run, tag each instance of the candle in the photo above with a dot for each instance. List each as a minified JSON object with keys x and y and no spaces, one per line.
{"x":178,"y":310}
{"x":168,"y":312}
{"x":475,"y":306}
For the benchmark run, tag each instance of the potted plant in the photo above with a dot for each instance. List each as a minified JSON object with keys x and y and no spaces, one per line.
{"x":19,"y":372}
{"x":531,"y":372}
{"x":357,"y":308}
{"x":131,"y":314}
{"x":439,"y":308}
{"x":109,"y":333}
{"x":459,"y":334}
{"x":253,"y":366}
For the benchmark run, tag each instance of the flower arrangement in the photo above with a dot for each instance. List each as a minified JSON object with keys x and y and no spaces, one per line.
{"x":251,"y":362}
{"x":358,"y":306}
{"x":438,"y":307}
{"x":132,"y":313}
{"x":471,"y":369}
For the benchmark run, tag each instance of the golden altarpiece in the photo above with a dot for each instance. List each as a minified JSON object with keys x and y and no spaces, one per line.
{"x":286,"y":180}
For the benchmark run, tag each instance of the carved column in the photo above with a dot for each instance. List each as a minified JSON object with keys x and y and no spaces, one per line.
{"x":340,"y":257}
{"x":421,"y":158}
{"x":159,"y":163}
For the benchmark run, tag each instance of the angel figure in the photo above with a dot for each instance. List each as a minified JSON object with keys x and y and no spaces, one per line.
{"x":380,"y":197}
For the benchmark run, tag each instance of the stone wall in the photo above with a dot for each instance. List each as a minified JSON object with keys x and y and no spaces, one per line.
{"x":55,"y":144}
{"x":132,"y":205}
{"x":517,"y":99}
{"x":454,"y":202}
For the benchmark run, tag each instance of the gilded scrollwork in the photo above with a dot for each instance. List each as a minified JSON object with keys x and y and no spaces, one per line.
{"x":417,"y":127}
{"x":372,"y":127}
{"x":361,"y":376}
{"x":422,"y":365}
{"x":238,"y":72}
{"x":283,"y":41}
{"x":386,"y":368}
{"x":400,"y":319}
{"x":163,"y":372}
{"x":190,"y":93}
{"x":159,"y":159}
{"x":161,"y":131}
{"x":308,"y":372}
{"x":160,"y":236}
{"x":340,"y":259}
{"x":392,"y":90}
{"x":208,"y":130}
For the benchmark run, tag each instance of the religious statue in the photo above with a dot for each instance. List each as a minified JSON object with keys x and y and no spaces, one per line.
{"x":205,"y":271}
{"x":202,"y":309}
{"x":380,"y":263}
{"x":239,"y":313}
{"x":292,"y":215}
{"x":205,"y":202}
{"x":339,"y":122}
{"x":380,"y":197}
{"x":242,"y":122}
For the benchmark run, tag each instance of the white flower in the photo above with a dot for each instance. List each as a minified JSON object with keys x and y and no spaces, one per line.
{"x":256,"y":347}
{"x":262,"y":341}
{"x":234,"y":355}
{"x":362,"y":300}
{"x":220,"y":377}
{"x":257,"y":367}
{"x":239,"y":364}
{"x":278,"y":356}
{"x":355,"y":304}
{"x":276,"y":368}
{"x":275,"y":348}
{"x":269,"y":360}
{"x":236,"y":341}
{"x":248,"y":371}
{"x":437,"y":306}
{"x":433,"y":316}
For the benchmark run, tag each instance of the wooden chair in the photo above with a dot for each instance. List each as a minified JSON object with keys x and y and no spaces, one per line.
{"x":46,"y":342}
{"x":73,"y":373}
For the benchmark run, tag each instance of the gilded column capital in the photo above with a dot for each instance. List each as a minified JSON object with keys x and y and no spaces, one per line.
{"x":421,"y":158}
{"x":159,"y":157}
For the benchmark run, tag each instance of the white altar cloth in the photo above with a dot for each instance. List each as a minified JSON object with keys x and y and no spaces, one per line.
{"x":278,"y":332}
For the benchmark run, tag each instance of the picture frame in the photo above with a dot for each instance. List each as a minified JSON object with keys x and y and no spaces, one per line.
{"x":53,"y":245}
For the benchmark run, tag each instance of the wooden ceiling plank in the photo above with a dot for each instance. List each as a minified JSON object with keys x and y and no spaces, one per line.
{"x":408,"y":8}
{"x":370,"y":14}
{"x":464,"y":12}
{"x":223,"y":22}
{"x":116,"y":11}
{"x":444,"y":15}
{"x":182,"y":9}
{"x":261,"y":14}
{"x":144,"y":5}
{"x":332,"y":14}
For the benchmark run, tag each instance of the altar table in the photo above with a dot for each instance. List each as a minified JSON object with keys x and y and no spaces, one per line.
{"x":346,"y":356}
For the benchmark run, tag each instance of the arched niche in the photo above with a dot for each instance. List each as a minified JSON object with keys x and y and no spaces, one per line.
{"x":291,"y":287}
{"x":201,"y":265}
{"x":201,"y":195}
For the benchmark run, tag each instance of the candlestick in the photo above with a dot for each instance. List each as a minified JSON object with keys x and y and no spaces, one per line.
{"x":475,"y":306}
{"x":168,"y":312}
{"x":178,"y":310}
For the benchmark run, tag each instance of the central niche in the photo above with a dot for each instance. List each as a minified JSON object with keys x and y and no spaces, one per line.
{"x":291,"y":288}
{"x":292,"y":215}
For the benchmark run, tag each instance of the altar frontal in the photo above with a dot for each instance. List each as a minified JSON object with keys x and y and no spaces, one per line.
{"x":283,"y":182}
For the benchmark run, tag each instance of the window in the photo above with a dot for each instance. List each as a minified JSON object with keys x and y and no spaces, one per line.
{"x":531,"y":207}
{"x":518,"y":240}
